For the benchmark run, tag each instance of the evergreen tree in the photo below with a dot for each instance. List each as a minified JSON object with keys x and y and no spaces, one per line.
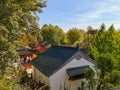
{"x":102,"y":27}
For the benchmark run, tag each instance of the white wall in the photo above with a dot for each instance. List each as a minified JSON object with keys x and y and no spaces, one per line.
{"x":60,"y":78}
{"x":39,"y":76}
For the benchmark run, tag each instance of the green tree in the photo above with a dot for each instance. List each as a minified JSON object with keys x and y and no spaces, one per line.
{"x":52,"y":34}
{"x":16,"y":18}
{"x":59,"y":35}
{"x":102,"y":27}
{"x":73,"y":35}
{"x":81,"y":38}
{"x":89,"y":75}
{"x":90,"y":28}
{"x":106,"y":49}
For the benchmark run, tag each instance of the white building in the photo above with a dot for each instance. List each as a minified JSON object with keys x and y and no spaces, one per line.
{"x":61,"y":67}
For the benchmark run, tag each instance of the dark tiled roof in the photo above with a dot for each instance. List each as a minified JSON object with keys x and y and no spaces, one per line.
{"x":84,"y":50}
{"x":77,"y":71}
{"x":25,"y":51}
{"x":53,"y":58}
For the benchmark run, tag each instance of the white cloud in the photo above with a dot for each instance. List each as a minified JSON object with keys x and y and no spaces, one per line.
{"x":100,"y":12}
{"x":85,"y":13}
{"x":96,"y":13}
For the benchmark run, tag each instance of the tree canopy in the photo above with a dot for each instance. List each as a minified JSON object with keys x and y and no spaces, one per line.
{"x":52,"y":34}
{"x":75,"y":36}
{"x":106,"y":49}
{"x":17,"y":17}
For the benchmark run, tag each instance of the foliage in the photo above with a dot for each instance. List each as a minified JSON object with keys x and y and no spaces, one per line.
{"x":52,"y":34}
{"x":17,"y":17}
{"x":10,"y":80}
{"x":102,"y":27}
{"x":75,"y":36}
{"x":89,"y":28}
{"x":106,"y":49}
{"x":90,"y":74}
{"x":81,"y":37}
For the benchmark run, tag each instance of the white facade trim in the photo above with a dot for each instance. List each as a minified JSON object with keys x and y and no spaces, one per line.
{"x":59,"y":80}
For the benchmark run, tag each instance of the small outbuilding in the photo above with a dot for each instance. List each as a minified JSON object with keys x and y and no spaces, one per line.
{"x":26,"y":55}
{"x":61,"y":67}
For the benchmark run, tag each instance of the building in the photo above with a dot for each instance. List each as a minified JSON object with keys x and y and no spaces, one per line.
{"x":26,"y":55}
{"x":61,"y":68}
{"x":92,"y":32}
{"x":40,"y":46}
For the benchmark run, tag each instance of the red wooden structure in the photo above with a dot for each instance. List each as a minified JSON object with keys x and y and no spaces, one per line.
{"x":39,"y":47}
{"x":26,"y":55}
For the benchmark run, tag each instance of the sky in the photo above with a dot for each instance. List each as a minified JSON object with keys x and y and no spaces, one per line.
{"x":81,"y":13}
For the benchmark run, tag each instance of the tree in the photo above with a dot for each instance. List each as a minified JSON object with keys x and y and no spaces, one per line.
{"x":48,"y":33}
{"x":73,"y":35}
{"x":59,"y":35}
{"x":16,"y":18}
{"x":81,"y":38}
{"x":52,"y":34}
{"x":89,"y":75}
{"x":89,"y":28}
{"x":106,"y":49}
{"x":102,"y":27}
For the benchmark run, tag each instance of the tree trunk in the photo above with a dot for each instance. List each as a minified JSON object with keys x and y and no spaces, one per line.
{"x":98,"y":87}
{"x":101,"y":78}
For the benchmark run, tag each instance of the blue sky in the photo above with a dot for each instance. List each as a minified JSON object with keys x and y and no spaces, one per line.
{"x":81,"y":13}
